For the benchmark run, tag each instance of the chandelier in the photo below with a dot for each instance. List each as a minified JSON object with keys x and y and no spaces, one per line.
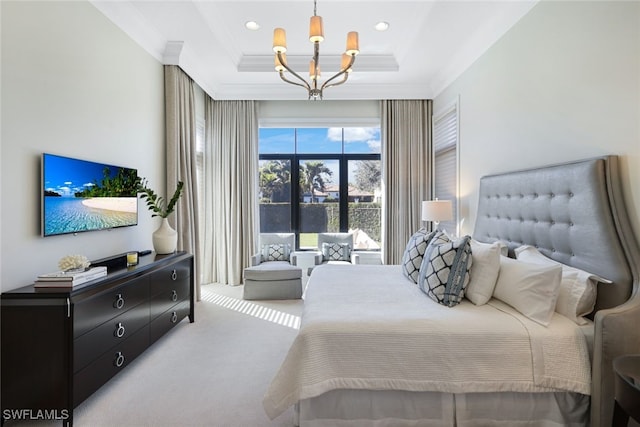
{"x":316,"y":35}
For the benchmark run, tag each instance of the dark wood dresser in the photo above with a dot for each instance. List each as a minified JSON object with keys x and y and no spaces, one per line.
{"x":61,"y":345}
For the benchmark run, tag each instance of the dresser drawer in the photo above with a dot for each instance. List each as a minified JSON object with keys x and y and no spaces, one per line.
{"x":176,"y":292}
{"x":161,"y":280}
{"x":168,"y":320}
{"x":89,"y":379}
{"x":96,"y":310}
{"x":111,"y":333}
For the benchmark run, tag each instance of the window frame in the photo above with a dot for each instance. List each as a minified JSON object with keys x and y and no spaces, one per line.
{"x":343,"y":162}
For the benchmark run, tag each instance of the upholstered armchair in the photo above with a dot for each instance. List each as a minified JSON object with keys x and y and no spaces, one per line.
{"x":336,"y":248}
{"x":275,"y":247}
{"x":273,"y":273}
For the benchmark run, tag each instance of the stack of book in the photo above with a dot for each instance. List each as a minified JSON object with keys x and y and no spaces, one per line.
{"x":69,"y":279}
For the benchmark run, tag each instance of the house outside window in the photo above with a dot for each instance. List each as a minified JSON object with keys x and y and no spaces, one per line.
{"x":338,"y":176}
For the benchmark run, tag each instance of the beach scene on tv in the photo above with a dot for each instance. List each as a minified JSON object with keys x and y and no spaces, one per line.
{"x":83,"y":196}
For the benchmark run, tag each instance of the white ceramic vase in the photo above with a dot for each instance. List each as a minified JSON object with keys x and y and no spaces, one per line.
{"x":165,"y":238}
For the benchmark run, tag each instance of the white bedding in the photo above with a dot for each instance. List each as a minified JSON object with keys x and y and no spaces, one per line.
{"x":368,"y":327}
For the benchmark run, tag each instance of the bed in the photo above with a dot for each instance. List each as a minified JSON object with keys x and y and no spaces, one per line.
{"x":374,"y":351}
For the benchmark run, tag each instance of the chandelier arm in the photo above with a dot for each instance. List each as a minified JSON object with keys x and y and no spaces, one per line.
{"x":283,"y":63}
{"x":344,"y":79}
{"x":343,"y":72}
{"x":305,"y":85}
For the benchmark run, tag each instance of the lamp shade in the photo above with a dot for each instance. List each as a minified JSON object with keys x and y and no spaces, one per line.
{"x":437,"y":210}
{"x":279,"y":65}
{"x":279,"y":40}
{"x":346,"y":62}
{"x":352,"y":43}
{"x":316,"y":31}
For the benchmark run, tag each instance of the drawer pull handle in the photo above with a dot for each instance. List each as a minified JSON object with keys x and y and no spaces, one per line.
{"x":119,"y":302}
{"x":119,"y":332}
{"x":174,"y":296}
{"x":174,"y":317}
{"x":174,"y":275}
{"x":119,"y":361}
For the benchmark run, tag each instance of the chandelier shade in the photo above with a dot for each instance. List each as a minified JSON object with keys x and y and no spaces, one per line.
{"x":316,"y":36}
{"x":279,"y":40}
{"x":316,"y":33}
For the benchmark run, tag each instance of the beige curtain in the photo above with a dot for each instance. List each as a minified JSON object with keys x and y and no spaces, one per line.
{"x":406,"y":180}
{"x":230,"y":183}
{"x":181,"y":160}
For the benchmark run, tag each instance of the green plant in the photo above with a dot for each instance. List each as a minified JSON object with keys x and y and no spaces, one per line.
{"x":158,"y":204}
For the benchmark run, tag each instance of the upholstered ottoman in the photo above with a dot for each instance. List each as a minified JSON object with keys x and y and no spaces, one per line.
{"x":273,"y":280}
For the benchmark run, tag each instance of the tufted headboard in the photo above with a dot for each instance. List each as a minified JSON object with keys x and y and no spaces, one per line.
{"x":574,"y":213}
{"x":569,"y":212}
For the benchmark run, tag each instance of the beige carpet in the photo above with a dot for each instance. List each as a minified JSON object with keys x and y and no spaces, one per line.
{"x":213,"y":372}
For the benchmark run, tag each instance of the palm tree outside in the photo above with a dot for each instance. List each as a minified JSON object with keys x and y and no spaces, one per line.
{"x":314,"y":177}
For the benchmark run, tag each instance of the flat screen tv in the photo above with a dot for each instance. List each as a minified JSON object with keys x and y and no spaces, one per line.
{"x":79,"y":195}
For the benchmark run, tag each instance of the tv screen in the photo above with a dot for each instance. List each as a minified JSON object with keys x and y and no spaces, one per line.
{"x":79,"y":195}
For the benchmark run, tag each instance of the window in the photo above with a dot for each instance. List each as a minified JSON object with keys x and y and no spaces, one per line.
{"x":445,"y":162}
{"x":338,"y":176}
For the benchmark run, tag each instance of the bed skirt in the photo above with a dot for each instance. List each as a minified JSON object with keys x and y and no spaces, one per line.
{"x":387,"y":408}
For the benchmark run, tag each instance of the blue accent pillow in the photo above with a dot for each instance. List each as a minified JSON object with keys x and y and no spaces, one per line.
{"x":413,"y":253}
{"x":444,"y":273}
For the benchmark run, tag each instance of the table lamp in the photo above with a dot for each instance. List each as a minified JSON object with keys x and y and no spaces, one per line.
{"x":436,"y":211}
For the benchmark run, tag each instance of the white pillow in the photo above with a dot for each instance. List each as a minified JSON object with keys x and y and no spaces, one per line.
{"x":532,"y":289}
{"x":578,"y":288}
{"x":484,"y":271}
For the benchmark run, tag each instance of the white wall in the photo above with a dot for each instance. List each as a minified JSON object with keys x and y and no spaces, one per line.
{"x":72,"y":84}
{"x":318,"y":113}
{"x":563,"y":84}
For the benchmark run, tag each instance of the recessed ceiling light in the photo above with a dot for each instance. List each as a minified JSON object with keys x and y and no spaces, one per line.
{"x":252,"y":25}
{"x":382,"y":26}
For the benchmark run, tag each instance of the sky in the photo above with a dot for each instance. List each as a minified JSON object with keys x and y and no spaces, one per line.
{"x":319,"y":140}
{"x":357,"y":140}
{"x":67,"y":176}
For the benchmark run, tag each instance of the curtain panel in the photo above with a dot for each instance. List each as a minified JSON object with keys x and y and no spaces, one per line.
{"x":180,"y":130}
{"x":406,"y":176}
{"x":230,"y":187}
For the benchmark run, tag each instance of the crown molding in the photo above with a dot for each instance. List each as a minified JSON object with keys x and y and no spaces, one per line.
{"x":172,"y":53}
{"x":348,"y":91}
{"x":364,"y":63}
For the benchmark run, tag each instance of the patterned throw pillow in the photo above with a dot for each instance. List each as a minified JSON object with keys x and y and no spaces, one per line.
{"x":276,"y":252}
{"x":413,"y":253}
{"x":336,"y":252}
{"x":444,"y":273}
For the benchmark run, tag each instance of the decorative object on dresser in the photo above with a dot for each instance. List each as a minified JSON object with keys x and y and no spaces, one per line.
{"x":165,"y":238}
{"x":69,"y":278}
{"x":73,"y":263}
{"x":60,"y":345}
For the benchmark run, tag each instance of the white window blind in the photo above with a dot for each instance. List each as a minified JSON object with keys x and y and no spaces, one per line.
{"x":445,"y":162}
